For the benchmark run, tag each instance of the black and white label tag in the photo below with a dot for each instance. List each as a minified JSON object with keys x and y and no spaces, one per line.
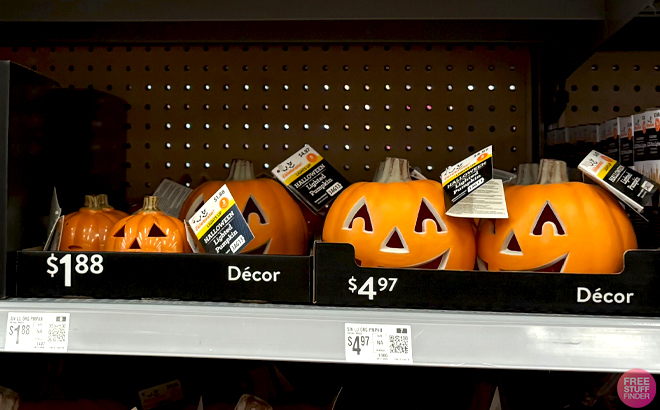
{"x":37,"y":332}
{"x":629,"y":186}
{"x":219,"y":225}
{"x":372,"y":343}
{"x":311,"y":178}
{"x":470,"y":190}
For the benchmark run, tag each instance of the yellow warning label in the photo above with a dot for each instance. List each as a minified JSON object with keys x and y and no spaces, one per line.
{"x":300,"y":169}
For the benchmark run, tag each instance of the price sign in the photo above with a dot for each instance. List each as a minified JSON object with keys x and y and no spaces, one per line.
{"x":370,"y":343}
{"x":82,"y":265}
{"x":37,"y":332}
{"x":368,"y":289}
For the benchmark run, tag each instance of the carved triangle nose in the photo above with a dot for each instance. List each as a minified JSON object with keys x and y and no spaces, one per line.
{"x":394,"y":243}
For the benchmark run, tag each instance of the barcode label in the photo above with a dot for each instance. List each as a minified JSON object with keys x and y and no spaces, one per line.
{"x":374,"y":343}
{"x":57,"y":332}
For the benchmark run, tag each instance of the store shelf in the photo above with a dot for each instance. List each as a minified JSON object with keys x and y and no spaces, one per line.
{"x":315,"y":334}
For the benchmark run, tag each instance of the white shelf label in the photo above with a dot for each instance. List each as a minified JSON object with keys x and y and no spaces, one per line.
{"x":37,"y":332}
{"x":369,"y":343}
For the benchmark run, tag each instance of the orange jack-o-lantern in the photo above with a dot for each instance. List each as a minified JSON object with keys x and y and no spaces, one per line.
{"x":150,"y":230}
{"x":87,"y":229}
{"x":108,"y":209}
{"x":397,"y":222}
{"x":556,"y":226}
{"x":274,"y":218}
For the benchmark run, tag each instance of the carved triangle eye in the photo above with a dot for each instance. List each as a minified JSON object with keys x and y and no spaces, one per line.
{"x":548,"y":216}
{"x":511,"y":245}
{"x":156,"y":232}
{"x":427,"y":212}
{"x":359,"y":210}
{"x":120,"y":233}
{"x":394,"y":243}
{"x":252,"y":207}
{"x":135,"y":244}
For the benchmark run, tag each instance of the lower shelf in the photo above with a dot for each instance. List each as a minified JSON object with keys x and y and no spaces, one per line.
{"x":316,"y":334}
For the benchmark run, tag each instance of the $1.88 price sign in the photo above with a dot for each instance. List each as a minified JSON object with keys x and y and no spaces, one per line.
{"x":369,"y":343}
{"x":82,"y":265}
{"x":368,"y":289}
{"x":37,"y":332}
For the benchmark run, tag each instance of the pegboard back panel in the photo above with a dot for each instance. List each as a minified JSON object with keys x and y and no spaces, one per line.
{"x":191,"y":109}
{"x":611,"y":84}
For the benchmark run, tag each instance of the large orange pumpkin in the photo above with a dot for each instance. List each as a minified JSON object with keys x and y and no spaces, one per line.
{"x":397,"y":222}
{"x":150,"y":230}
{"x":274,"y":218}
{"x":108,"y":209}
{"x":557,"y":226}
{"x":87,"y":229}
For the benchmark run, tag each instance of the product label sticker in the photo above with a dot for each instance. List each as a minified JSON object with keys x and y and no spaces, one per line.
{"x":370,"y":343}
{"x":171,"y":197}
{"x":311,"y":178}
{"x":629,"y":186}
{"x":37,"y":332}
{"x":462,"y":183}
{"x":626,"y":141}
{"x":160,"y":395}
{"x":220,"y":226}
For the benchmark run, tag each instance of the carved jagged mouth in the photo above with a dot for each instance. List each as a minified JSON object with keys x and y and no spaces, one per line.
{"x":556,"y":266}
{"x":261,"y":250}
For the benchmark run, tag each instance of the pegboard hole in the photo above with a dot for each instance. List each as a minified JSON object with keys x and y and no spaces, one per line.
{"x":186,"y":106}
{"x":429,"y":87}
{"x":514,"y":128}
{"x":367,"y":127}
{"x":638,"y":108}
{"x":387,"y":87}
{"x":491,"y":87}
{"x":225,"y":146}
{"x":207,"y":146}
{"x":386,"y":68}
{"x":470,"y":67}
{"x":512,"y":108}
{"x":470,"y":148}
{"x":657,"y":88}
{"x":408,"y":127}
{"x":636,"y":67}
{"x":470,"y":108}
{"x":470,"y":87}
{"x":594,"y":88}
{"x":450,"y":148}
{"x":345,"y":68}
{"x":470,"y":128}
{"x":574,"y":108}
{"x":407,"y":67}
{"x":491,"y":67}
{"x":450,"y":128}
{"x":491,"y":108}
{"x":616,"y":88}
{"x":167,"y":68}
{"x":206,"y":68}
{"x":387,"y":147}
{"x":449,"y":68}
{"x":387,"y":107}
{"x":450,"y":108}
{"x":615,"y":108}
{"x":512,"y":87}
{"x":594,"y":108}
{"x":388,"y":127}
{"x":305,"y":68}
{"x":594,"y":67}
{"x":285,"y":107}
{"x":207,"y":107}
{"x":449,"y":87}
{"x":637,"y":88}
{"x":286,"y":126}
{"x":615,"y":67}
{"x":266,"y":126}
{"x":491,"y":128}
{"x":429,"y":128}
{"x":167,"y":106}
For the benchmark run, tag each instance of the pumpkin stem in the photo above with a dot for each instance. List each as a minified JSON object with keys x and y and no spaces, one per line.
{"x":150,"y":205}
{"x":103,"y":202}
{"x":240,"y":170}
{"x":527,"y":174}
{"x":552,"y":171}
{"x":91,"y":203}
{"x":393,"y":170}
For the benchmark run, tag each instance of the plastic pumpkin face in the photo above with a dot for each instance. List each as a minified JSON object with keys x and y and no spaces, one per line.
{"x":86,"y":229}
{"x":150,"y":230}
{"x":560,"y":227}
{"x":274,"y":218}
{"x":400,"y":224}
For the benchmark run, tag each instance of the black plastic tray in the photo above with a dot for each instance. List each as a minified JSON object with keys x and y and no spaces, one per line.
{"x":197,"y":277}
{"x":488,"y":291}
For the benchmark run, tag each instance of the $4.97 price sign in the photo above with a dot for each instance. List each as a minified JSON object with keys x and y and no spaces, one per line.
{"x":367,"y":288}
{"x":369,"y":343}
{"x":37,"y":332}
{"x":83,"y":264}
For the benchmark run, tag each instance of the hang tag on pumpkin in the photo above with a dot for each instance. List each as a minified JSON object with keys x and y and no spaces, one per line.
{"x":470,"y":190}
{"x":311,"y":178}
{"x":629,"y":186}
{"x":220,"y":226}
{"x":171,"y":197}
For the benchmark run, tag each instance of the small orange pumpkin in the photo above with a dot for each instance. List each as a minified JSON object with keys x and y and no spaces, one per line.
{"x":397,"y":222}
{"x":150,"y":230}
{"x":275,"y":219}
{"x":87,"y":229}
{"x":556,"y":226}
{"x":108,"y":209}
